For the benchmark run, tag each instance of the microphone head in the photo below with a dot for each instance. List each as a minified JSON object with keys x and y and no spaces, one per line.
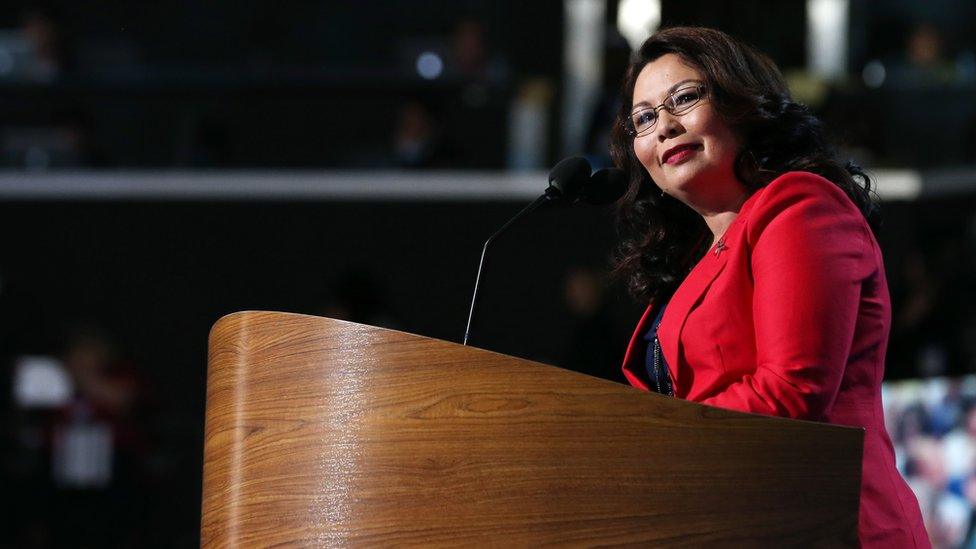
{"x":567,"y":178}
{"x":604,"y":187}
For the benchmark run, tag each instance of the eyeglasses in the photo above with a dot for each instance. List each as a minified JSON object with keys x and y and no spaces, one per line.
{"x":680,"y":101}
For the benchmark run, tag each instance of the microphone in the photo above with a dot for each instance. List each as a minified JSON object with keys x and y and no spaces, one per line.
{"x":567,"y":179}
{"x":606,"y":186}
{"x":569,"y":182}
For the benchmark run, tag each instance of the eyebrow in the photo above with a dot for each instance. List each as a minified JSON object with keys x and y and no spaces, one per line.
{"x":670,"y":91}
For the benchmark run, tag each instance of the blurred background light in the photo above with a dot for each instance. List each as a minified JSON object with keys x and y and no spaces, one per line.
{"x":6,"y":62}
{"x":637,"y":20}
{"x":873,"y":74}
{"x":429,"y":65}
{"x":827,"y":37}
{"x":41,"y":381}
{"x":583,"y":67}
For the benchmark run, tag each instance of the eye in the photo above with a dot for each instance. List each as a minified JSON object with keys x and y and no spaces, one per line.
{"x":644,"y":118}
{"x":686,"y":97}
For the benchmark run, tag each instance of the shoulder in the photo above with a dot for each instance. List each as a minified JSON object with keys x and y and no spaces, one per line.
{"x":799,"y":186}
{"x":801,"y":198}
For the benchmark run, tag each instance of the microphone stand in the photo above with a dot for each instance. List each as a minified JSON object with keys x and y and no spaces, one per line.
{"x":549,"y":195}
{"x":570,"y":180}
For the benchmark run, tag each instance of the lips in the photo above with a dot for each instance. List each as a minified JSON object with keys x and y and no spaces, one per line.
{"x":678,"y":149}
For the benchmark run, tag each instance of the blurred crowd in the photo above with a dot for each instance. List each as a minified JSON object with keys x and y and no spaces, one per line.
{"x":82,"y":460}
{"x":933,"y":427}
{"x":77,"y":90}
{"x":457,"y":89}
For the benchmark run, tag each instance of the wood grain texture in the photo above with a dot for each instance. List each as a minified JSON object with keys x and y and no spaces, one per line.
{"x":327,"y":433}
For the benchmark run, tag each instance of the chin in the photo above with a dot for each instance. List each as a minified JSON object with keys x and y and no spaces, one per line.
{"x":679,"y":184}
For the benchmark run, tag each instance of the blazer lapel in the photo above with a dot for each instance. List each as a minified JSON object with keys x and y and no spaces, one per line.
{"x":633,"y":369}
{"x":688,"y":295}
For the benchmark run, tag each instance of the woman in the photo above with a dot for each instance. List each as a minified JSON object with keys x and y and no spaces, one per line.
{"x":756,"y":251}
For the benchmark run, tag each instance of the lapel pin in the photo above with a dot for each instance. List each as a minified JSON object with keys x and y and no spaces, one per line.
{"x":720,"y":246}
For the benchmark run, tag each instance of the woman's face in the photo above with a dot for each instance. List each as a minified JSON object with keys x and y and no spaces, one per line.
{"x":690,"y":156}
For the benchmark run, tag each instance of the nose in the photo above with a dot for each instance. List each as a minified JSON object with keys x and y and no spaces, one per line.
{"x":668,"y":126}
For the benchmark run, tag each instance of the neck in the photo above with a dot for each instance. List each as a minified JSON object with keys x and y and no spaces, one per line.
{"x":718,"y":223}
{"x":719,"y":219}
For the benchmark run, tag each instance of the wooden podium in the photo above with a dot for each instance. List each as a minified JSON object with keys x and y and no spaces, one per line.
{"x":327,"y":433}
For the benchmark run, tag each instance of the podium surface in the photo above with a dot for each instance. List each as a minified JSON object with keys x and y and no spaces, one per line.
{"x":321,"y":432}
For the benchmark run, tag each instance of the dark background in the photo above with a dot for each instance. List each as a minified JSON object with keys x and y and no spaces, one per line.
{"x":331,"y":86}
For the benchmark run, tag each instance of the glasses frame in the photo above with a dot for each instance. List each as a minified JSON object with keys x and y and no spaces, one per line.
{"x":675,"y":111}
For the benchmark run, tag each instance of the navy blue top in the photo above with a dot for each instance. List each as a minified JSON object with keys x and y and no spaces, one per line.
{"x":657,"y":367}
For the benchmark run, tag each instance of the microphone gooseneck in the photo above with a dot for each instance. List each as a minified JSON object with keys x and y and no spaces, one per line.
{"x":570,"y":181}
{"x":566,"y":182}
{"x":484,"y":252}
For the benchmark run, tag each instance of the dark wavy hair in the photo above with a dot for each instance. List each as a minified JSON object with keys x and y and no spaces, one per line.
{"x":661,"y":238}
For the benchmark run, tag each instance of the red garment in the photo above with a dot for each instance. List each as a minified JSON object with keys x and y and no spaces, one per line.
{"x":789,"y":316}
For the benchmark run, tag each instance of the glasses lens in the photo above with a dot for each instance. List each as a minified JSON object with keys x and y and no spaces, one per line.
{"x":643,"y":120}
{"x":684,"y":99}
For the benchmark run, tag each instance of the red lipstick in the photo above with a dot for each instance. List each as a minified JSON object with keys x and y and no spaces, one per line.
{"x":679,"y":153}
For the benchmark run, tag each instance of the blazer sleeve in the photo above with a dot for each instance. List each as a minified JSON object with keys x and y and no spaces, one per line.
{"x":811,"y":253}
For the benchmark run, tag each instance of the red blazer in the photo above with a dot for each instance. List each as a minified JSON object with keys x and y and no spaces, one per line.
{"x":790,"y":317}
